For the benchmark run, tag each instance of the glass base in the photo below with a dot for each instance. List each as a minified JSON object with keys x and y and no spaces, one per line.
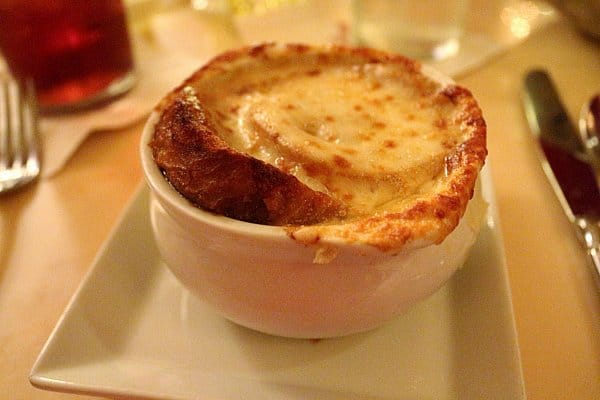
{"x":445,"y":50}
{"x":424,"y":49}
{"x":115,"y":89}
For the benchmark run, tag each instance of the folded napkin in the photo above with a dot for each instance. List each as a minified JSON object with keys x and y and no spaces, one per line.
{"x":63,"y":134}
{"x":174,"y":43}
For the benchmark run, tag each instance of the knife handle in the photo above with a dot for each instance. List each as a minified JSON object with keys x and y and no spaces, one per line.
{"x":546,"y":112}
{"x":594,"y":257}
{"x":588,"y":233}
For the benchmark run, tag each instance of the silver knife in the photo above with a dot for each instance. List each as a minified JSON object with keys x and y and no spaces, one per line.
{"x":563,"y":160}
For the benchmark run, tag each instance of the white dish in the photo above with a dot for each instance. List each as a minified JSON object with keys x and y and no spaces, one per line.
{"x":132,"y":330}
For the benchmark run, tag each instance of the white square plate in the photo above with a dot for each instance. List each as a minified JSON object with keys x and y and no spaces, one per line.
{"x":132,"y":330}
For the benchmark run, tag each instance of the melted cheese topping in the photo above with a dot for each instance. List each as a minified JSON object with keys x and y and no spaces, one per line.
{"x":368,"y":134}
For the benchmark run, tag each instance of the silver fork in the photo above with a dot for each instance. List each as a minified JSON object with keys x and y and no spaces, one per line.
{"x":19,"y":155}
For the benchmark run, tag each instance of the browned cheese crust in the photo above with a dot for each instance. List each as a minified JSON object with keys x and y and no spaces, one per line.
{"x":198,"y":148}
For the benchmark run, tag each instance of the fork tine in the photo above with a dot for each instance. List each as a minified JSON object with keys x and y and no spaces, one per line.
{"x":29,"y":121}
{"x":19,"y":160}
{"x":4,"y":155}
{"x":15,"y":124}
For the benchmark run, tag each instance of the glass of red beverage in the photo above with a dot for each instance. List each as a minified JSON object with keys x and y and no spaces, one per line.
{"x":77,"y":52}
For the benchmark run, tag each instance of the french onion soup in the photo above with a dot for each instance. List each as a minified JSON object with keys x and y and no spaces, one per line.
{"x":341,"y":143}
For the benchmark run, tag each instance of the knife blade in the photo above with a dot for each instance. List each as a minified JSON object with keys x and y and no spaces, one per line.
{"x":563,"y":161}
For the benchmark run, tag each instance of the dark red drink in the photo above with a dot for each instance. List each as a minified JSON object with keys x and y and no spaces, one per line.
{"x":77,"y":51}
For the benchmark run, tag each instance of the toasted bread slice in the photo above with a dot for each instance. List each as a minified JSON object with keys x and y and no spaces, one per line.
{"x":207,"y":171}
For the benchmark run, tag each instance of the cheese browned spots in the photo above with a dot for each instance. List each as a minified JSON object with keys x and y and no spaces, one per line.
{"x":396,"y":150}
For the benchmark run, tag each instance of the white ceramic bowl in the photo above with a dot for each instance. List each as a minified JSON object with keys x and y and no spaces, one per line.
{"x":258,"y":277}
{"x":261,"y":277}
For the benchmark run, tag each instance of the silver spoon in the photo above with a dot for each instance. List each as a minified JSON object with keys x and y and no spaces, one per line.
{"x":589,"y":128}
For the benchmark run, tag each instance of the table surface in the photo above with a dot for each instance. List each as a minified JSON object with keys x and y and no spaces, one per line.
{"x":51,"y":231}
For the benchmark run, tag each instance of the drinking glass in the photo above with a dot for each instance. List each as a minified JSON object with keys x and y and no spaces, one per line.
{"x":423,"y":29}
{"x":77,"y":52}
